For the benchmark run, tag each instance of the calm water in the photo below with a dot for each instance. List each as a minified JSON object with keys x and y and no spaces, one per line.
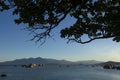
{"x":59,"y":73}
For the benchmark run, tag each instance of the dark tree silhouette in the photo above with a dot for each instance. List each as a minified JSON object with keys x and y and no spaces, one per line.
{"x":95,"y":19}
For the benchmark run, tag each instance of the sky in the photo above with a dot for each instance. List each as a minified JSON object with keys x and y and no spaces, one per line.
{"x":15,"y":44}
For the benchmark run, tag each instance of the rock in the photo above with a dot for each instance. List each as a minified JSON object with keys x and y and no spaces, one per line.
{"x":118,"y":68}
{"x":3,"y":75}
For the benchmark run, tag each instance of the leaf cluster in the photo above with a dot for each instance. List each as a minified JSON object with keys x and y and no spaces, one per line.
{"x":97,"y":19}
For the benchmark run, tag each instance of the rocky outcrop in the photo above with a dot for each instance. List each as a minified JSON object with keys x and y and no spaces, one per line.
{"x":110,"y":66}
{"x":29,"y":65}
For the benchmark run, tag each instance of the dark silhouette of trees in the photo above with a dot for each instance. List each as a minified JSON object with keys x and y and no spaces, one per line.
{"x":95,"y":19}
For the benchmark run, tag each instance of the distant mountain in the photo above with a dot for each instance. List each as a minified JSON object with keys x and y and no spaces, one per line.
{"x":40,"y":60}
{"x":88,"y":62}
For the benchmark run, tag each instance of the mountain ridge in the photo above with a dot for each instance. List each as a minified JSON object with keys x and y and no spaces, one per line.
{"x":37,"y":60}
{"x":40,"y":60}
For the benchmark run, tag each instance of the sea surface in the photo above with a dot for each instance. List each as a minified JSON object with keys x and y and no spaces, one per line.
{"x":56,"y":72}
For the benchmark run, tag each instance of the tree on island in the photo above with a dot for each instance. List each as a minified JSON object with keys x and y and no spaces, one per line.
{"x":95,"y":19}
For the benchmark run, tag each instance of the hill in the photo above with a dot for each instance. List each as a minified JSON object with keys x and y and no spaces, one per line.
{"x":110,"y":62}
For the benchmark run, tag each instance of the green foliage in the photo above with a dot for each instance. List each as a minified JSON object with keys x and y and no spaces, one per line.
{"x":97,"y":19}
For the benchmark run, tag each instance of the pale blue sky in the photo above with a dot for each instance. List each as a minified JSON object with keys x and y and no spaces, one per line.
{"x":14,"y":44}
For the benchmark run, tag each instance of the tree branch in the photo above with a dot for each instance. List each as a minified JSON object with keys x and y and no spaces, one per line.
{"x":84,"y":42}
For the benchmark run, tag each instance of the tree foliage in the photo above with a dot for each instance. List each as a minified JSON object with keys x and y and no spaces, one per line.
{"x":96,"y":19}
